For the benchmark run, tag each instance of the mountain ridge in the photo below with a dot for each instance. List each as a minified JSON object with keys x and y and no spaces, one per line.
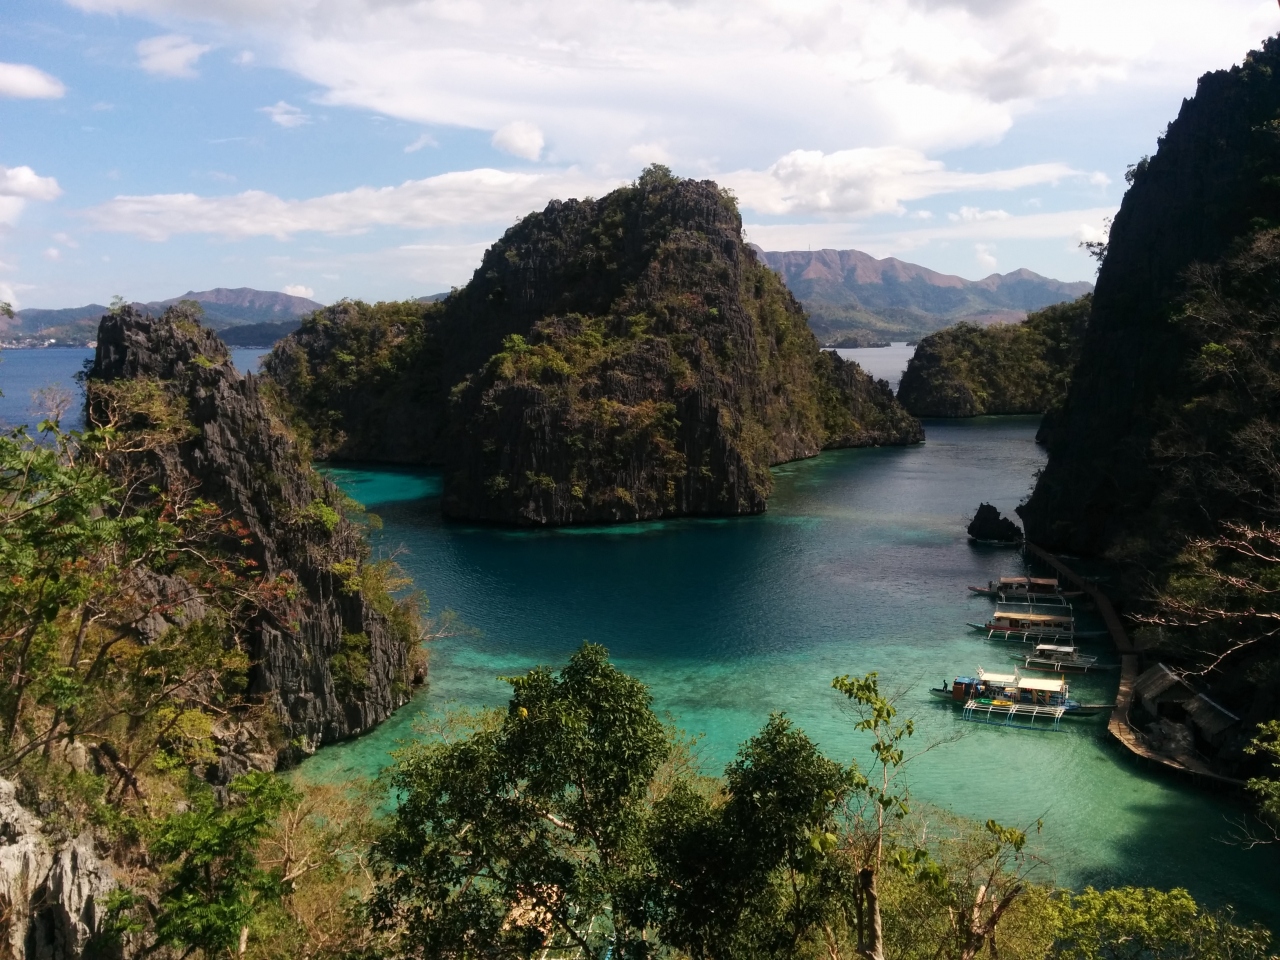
{"x":224,"y":308}
{"x":851,"y":294}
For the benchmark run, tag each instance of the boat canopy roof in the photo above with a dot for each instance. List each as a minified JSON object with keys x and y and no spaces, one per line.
{"x":1035,"y":683}
{"x":1038,"y":581}
{"x":1054,"y":648}
{"x":1032,"y":617}
{"x":1009,"y":678}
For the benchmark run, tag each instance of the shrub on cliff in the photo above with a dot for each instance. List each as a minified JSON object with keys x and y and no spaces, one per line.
{"x":967,"y":370}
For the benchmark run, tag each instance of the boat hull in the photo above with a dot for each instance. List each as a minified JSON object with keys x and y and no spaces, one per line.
{"x":1077,"y":713}
{"x":1060,"y":666}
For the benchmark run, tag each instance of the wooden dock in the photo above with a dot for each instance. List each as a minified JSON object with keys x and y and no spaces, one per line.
{"x":1125,"y":733}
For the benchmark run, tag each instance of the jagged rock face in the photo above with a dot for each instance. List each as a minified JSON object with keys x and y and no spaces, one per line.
{"x":1214,"y":178}
{"x":989,"y":524}
{"x":52,"y":901}
{"x":241,"y":458}
{"x":611,"y":360}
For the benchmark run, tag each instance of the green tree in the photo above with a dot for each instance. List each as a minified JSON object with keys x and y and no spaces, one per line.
{"x":530,"y":830}
{"x":884,"y":800}
{"x":213,"y":882}
{"x":753,"y":873}
{"x":1132,"y":923}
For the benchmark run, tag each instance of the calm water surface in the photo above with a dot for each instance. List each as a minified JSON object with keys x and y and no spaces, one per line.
{"x":860,"y":564}
{"x":883,"y":363}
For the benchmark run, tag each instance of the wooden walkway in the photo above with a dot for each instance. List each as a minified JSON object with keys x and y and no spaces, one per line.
{"x":1128,"y":736}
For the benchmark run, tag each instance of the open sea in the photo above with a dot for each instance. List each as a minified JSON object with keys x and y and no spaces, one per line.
{"x":860,"y":564}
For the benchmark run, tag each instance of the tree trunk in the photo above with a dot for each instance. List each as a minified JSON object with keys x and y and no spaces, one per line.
{"x":873,"y":946}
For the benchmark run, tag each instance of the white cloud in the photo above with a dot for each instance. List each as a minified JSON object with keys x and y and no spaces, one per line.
{"x":704,"y":78}
{"x":423,"y":140}
{"x":298,"y":290}
{"x":170,"y":55}
{"x":243,"y":58}
{"x":869,"y":181}
{"x":1099,"y":179}
{"x":483,"y":196}
{"x":25,"y":82}
{"x":25,"y":183}
{"x":285,"y":114}
{"x":53,"y":253}
{"x":520,"y":139}
{"x":9,"y":295}
{"x":20,"y":184}
{"x":1061,"y":225}
{"x":984,"y":255}
{"x":975,"y":215}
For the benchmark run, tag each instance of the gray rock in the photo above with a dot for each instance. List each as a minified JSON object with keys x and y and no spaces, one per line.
{"x":52,"y":901}
{"x":241,"y":458}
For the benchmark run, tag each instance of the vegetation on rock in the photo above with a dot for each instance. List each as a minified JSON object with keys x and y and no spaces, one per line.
{"x":968,"y":371}
{"x":1163,"y":457}
{"x":614,"y":359}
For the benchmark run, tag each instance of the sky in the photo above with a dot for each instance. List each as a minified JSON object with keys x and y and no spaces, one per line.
{"x":374,"y":148}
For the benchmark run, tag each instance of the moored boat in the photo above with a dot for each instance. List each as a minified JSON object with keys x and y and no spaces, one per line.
{"x":1011,"y":699}
{"x":1029,"y":623}
{"x":1059,"y":658}
{"x":1012,"y":588}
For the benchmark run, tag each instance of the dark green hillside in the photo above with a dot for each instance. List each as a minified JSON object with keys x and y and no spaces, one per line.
{"x":967,"y":370}
{"x":614,"y":359}
{"x":1210,"y":189}
{"x":1164,"y":456}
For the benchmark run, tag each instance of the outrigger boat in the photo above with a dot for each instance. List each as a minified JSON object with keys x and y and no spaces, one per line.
{"x":1033,"y":623}
{"x":1012,"y":588}
{"x":1054,"y":658}
{"x":1012,"y":700}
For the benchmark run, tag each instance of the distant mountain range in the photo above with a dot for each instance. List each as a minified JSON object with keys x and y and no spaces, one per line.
{"x":854,"y":298}
{"x":271,"y":314}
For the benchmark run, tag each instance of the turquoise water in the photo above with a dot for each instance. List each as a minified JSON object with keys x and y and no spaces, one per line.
{"x":860,"y":564}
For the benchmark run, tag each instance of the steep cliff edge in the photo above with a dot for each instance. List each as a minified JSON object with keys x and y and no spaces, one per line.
{"x":1213,"y":182}
{"x":616,"y":359}
{"x":329,"y":653}
{"x":968,"y":371}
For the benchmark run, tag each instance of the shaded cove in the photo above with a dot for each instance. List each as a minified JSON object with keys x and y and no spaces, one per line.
{"x":860,"y":564}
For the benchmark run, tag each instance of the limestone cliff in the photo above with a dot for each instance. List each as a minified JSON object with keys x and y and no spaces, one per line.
{"x":968,"y":371}
{"x":53,"y":897}
{"x":614,"y":359}
{"x":1213,"y":182}
{"x":327,"y":656}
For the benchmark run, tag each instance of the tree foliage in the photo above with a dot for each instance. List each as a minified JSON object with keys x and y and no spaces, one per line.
{"x":969,"y":370}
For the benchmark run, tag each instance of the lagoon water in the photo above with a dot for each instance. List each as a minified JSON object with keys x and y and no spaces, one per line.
{"x":860,"y":564}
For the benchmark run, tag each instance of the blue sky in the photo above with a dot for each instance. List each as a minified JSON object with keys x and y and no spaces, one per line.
{"x":374,"y":148}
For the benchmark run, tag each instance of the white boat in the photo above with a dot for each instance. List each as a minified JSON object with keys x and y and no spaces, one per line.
{"x":1059,"y":658}
{"x":1011,"y":588}
{"x":1012,"y":700}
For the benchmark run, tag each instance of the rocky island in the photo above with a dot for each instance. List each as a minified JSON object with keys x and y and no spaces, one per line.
{"x":619,"y":359}
{"x":969,"y":370}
